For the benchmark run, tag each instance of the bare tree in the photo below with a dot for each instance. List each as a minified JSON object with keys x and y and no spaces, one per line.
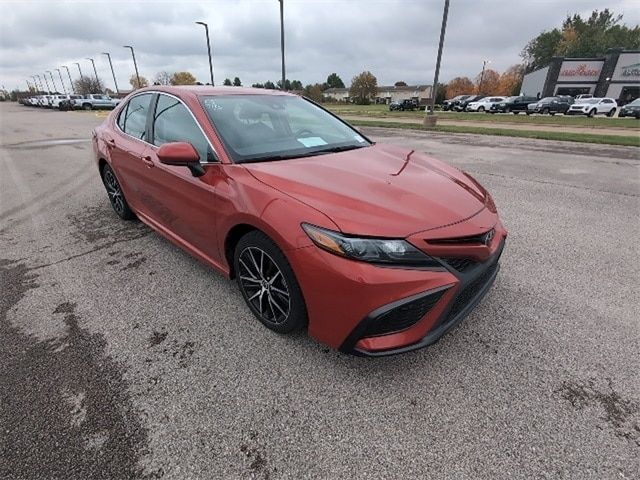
{"x":85,"y":85}
{"x":163,"y":78}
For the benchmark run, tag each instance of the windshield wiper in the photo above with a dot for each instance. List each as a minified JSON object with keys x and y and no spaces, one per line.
{"x":323,"y":151}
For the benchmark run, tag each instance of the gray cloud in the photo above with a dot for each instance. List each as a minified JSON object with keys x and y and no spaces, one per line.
{"x":395,"y":39}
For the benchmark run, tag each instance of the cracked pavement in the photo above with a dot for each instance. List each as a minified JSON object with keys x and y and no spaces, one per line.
{"x":123,"y":357}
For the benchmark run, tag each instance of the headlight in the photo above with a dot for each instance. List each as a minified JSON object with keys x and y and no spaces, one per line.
{"x":373,"y":250}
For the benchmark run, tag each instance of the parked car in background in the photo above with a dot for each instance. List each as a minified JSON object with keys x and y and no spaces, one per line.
{"x":594,"y":106}
{"x":550,"y":105}
{"x":403,"y":105}
{"x":631,"y":109}
{"x":483,"y":105}
{"x":462,"y":105}
{"x":94,"y":101}
{"x":453,"y":102}
{"x":514,"y":105}
{"x":55,"y":103}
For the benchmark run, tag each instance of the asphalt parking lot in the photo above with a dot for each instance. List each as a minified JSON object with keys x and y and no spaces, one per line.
{"x":123,"y":357}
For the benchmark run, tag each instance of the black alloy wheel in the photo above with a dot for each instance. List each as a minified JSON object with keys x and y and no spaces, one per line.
{"x":116,"y":197}
{"x":268,"y":283}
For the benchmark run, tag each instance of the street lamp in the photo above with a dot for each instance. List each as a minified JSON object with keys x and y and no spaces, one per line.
{"x":95,"y":72}
{"x":484,"y":64}
{"x":73,"y":90}
{"x":64,"y":90}
{"x":36,"y":82}
{"x":47,"y":83}
{"x":112,"y":72}
{"x":79,"y":69}
{"x":206,"y":29}
{"x":434,"y":89}
{"x":55,"y":89}
{"x":134,"y":63}
{"x":282,"y":41}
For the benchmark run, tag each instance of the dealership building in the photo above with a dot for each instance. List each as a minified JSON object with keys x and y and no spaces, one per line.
{"x":615,"y":75}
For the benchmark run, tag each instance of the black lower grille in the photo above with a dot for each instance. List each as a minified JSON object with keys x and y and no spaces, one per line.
{"x":461,"y":264}
{"x":469,"y":292}
{"x":403,"y":317}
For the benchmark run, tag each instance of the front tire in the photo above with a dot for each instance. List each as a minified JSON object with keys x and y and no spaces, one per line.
{"x":268,"y":284}
{"x":592,"y":113}
{"x":116,"y":196}
{"x":481,"y":109}
{"x":611,"y":113}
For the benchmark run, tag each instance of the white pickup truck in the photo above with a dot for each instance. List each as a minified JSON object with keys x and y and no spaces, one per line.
{"x":94,"y":101}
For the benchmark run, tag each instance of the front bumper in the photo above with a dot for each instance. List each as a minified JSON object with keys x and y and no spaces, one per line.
{"x":346,"y":299}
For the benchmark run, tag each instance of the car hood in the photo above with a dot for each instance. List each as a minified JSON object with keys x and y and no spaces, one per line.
{"x":381,"y":190}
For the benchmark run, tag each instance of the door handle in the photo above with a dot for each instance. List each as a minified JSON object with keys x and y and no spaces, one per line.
{"x":147,"y":161}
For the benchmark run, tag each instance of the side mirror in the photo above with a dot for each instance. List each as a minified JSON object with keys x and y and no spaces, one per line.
{"x":181,"y":154}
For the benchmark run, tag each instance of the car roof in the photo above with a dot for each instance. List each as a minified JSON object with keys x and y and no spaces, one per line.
{"x":206,"y":90}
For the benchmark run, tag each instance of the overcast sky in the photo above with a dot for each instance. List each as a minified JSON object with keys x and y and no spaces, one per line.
{"x":394,"y":39}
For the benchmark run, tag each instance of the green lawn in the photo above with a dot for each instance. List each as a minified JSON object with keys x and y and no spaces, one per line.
{"x":383,"y":111}
{"x":629,"y":141}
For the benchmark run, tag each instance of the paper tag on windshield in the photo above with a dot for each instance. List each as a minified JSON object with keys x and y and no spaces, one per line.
{"x":312,"y":141}
{"x":359,"y":138}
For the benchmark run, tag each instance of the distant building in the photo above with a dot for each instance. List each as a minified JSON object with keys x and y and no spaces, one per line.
{"x":387,"y":94}
{"x":615,"y":75}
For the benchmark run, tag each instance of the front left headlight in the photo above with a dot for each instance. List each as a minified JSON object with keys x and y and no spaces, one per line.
{"x":381,"y":251}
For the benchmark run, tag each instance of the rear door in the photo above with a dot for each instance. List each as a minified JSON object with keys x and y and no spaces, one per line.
{"x":129,"y":148}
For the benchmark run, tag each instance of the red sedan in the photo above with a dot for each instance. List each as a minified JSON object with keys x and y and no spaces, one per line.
{"x":375,"y":249}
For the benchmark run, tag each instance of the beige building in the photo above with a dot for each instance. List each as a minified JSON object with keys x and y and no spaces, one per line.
{"x":387,"y":94}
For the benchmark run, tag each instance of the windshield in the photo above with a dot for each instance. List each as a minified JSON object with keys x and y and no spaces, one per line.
{"x":587,"y":100}
{"x":277,"y":127}
{"x":548,"y":99}
{"x":635,"y":103}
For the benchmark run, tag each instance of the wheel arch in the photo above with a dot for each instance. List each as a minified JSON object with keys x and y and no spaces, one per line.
{"x":231,"y":240}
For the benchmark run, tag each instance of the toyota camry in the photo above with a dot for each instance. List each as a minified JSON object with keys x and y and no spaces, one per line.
{"x":374,"y":249}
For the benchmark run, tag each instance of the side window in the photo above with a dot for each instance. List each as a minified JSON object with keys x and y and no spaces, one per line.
{"x":122,"y":117}
{"x":172,"y":122}
{"x":135,"y":118}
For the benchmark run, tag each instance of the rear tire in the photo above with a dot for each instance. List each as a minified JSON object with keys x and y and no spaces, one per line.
{"x":268,"y":284}
{"x":87,"y":106}
{"x":116,"y":196}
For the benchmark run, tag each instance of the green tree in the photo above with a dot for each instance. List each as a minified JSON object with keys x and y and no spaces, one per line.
{"x":363,"y":88}
{"x":269,"y":85}
{"x":227,"y":82}
{"x":581,"y":38}
{"x":183,"y":78}
{"x":133,"y":80}
{"x":314,"y":92}
{"x":237,"y":82}
{"x":334,"y":81}
{"x":258,"y":85}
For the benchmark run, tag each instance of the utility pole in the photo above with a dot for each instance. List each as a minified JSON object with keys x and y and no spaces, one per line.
{"x":73,"y":90}
{"x":79,"y":69}
{"x":434,"y":90}
{"x":134,"y":63}
{"x":206,"y":29}
{"x":64,"y":90}
{"x":484,"y":64}
{"x":115,"y":82}
{"x":284,"y":76}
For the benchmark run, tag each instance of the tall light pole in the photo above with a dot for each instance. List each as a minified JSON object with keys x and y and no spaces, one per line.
{"x":134,"y":63}
{"x":36,"y":82}
{"x":79,"y":69}
{"x":95,"y":72}
{"x":47,"y":83}
{"x":112,"y":72}
{"x":282,"y":42}
{"x":434,"y":89}
{"x":64,"y":90}
{"x":206,"y":29}
{"x":484,"y":64}
{"x":73,"y":90}
{"x":55,"y":89}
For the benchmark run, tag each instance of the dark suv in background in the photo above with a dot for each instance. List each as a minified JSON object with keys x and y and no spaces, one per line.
{"x":403,"y":105}
{"x":462,"y":104}
{"x":551,"y":105}
{"x":513,"y":104}
{"x":454,"y":102}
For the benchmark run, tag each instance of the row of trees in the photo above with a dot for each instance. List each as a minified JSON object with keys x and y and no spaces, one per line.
{"x":491,"y":83}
